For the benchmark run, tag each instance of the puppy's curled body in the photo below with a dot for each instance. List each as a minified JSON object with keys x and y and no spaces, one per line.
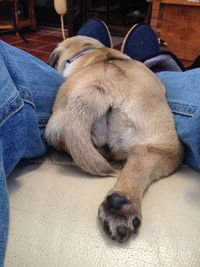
{"x":106,"y":80}
{"x":111,"y":106}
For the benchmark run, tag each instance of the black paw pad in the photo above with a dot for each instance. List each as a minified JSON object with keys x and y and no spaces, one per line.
{"x":136,"y":223}
{"x":115,"y":201}
{"x":122,"y":231}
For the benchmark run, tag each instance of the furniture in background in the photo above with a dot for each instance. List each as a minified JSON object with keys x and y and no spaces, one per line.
{"x":16,"y":17}
{"x":73,"y":11}
{"x":76,"y":15}
{"x":119,"y":15}
{"x":177,"y":22}
{"x":117,"y":12}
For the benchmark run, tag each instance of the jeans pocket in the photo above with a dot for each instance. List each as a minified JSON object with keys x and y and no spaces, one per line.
{"x":182,"y":109}
{"x":187,"y":121}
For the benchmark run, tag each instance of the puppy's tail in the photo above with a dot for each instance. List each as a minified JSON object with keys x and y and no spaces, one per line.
{"x":81,"y":112}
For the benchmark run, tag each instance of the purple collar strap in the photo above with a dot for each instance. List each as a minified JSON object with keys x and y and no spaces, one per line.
{"x":79,"y":54}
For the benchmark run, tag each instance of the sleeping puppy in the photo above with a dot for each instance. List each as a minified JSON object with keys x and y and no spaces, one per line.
{"x":111,"y":107}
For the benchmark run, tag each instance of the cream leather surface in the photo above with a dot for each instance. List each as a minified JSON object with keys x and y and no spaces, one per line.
{"x":53,"y":220}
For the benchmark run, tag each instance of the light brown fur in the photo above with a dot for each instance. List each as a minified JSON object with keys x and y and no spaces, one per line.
{"x":110,"y":102}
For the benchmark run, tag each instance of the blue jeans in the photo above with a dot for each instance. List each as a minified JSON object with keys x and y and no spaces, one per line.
{"x":27,"y":92}
{"x":183,"y":95}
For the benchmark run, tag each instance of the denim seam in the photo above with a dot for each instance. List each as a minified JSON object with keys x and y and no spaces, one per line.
{"x":9,"y":101}
{"x":14,"y":105}
{"x":26,"y":94}
{"x":29,"y":102}
{"x":27,"y":87}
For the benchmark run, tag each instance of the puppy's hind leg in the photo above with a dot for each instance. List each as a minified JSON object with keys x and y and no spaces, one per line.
{"x":120,"y":212}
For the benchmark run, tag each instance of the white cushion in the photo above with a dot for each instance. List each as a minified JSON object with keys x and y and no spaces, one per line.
{"x":53,"y":219}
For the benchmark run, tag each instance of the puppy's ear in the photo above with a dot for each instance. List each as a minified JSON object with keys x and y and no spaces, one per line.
{"x":54,"y":57}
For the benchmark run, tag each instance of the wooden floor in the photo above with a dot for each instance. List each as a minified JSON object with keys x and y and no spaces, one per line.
{"x":40,"y":43}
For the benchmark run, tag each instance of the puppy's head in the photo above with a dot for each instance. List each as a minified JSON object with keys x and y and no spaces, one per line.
{"x":69,"y":48}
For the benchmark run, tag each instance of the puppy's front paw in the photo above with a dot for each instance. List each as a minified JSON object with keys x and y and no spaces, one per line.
{"x":119,"y":216}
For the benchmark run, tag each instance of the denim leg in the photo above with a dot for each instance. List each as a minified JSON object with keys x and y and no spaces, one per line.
{"x":36,"y":82}
{"x":183,"y":95}
{"x":27,"y":92}
{"x":14,"y":139}
{"x":3,"y":208}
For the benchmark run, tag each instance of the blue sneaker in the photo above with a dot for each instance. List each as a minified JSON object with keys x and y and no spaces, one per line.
{"x":140,"y":42}
{"x":98,"y":30}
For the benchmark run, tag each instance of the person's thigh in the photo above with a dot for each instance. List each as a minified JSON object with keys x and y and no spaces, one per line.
{"x":3,"y":209}
{"x":183,"y":95}
{"x":28,"y":89}
{"x":36,"y":82}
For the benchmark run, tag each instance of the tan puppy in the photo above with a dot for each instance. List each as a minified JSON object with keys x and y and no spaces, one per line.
{"x":113,"y":107}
